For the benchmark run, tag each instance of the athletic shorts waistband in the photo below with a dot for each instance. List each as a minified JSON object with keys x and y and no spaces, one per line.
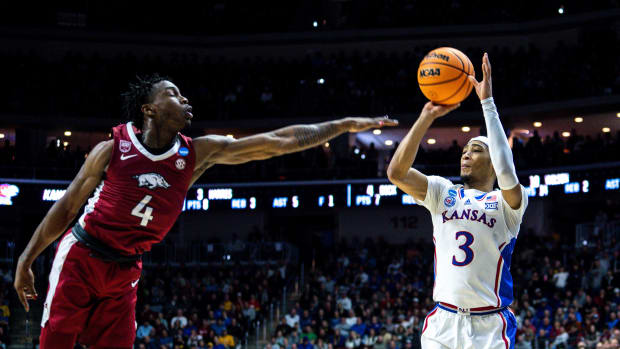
{"x":472,"y":311}
{"x":101,"y":250}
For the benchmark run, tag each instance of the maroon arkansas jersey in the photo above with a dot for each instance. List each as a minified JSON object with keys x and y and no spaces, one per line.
{"x":141,"y":194}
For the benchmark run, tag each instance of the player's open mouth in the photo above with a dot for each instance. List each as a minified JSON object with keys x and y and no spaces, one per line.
{"x":188,"y":113}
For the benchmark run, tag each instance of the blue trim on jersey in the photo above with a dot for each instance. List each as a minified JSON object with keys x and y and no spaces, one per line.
{"x":480,"y":197}
{"x":434,"y":263}
{"x":505,"y":286}
{"x":461,"y":192}
{"x":511,"y":327}
{"x":425,"y":323}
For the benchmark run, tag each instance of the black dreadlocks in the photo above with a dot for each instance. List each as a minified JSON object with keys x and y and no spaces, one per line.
{"x":139,"y":93}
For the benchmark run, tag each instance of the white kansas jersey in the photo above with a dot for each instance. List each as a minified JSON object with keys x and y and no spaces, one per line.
{"x":474,"y":234}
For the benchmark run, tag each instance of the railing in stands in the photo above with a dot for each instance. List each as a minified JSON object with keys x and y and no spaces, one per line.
{"x":588,"y":234}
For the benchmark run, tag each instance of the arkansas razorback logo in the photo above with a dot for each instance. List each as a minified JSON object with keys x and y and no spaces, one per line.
{"x":151,"y":180}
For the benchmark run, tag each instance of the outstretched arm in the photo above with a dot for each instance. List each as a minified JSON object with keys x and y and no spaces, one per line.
{"x":499,"y":150}
{"x":400,"y":172}
{"x":212,"y":150}
{"x":59,"y":216}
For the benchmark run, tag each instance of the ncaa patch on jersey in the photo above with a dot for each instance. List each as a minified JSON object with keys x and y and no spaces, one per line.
{"x":490,"y":205}
{"x":183,"y":151}
{"x":449,"y":201}
{"x":180,"y":164}
{"x":124,"y":146}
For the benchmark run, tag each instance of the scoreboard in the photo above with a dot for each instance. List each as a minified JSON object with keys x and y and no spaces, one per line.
{"x":316,"y":194}
{"x":295,"y":195}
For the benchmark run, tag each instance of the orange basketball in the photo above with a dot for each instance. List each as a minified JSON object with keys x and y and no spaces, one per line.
{"x":442,"y":76}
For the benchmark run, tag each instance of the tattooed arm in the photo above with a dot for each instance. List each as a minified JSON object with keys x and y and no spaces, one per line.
{"x":212,"y":149}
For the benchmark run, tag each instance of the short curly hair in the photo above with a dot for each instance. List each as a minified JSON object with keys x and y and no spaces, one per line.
{"x":139,"y":93}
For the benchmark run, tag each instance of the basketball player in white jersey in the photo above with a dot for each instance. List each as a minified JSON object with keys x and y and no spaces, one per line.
{"x":474,"y":230}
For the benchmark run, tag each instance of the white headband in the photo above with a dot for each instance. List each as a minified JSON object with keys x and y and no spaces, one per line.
{"x":481,"y":139}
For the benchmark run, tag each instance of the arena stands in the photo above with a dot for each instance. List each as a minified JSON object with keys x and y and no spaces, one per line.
{"x":374,"y":295}
{"x":215,"y":306}
{"x":59,"y":162}
{"x":223,"y":17}
{"x":6,"y":285}
{"x":349,"y":83}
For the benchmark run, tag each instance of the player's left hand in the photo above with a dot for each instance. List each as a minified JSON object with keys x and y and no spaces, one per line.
{"x":24,"y":285}
{"x":483,"y":88}
{"x":363,"y":124}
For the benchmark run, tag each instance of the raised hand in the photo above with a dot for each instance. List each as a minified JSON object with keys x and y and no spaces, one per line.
{"x":435,"y":111}
{"x":483,"y":88}
{"x":363,"y":124}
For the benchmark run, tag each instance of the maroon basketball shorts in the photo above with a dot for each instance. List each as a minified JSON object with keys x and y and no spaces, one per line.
{"x":92,"y":298}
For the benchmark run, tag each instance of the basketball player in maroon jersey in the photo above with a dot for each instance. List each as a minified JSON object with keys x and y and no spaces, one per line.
{"x":140,"y":179}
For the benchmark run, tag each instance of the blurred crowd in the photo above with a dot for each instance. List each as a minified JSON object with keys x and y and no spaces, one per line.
{"x":532,"y":152}
{"x":205,"y":307}
{"x":317,"y":85}
{"x":6,"y":286}
{"x":372,"y":295}
{"x":369,"y":294}
{"x":226,"y":17}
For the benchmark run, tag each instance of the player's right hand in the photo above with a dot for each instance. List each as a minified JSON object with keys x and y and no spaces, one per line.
{"x":434,"y":111}
{"x":24,"y":285}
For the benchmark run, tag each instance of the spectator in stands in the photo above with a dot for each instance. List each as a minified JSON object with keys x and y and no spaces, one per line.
{"x":179,"y":320}
{"x":144,"y":330}
{"x":218,"y":344}
{"x":4,"y":338}
{"x":560,"y":278}
{"x":226,"y":339}
{"x":5,"y":311}
{"x":292,"y":319}
{"x":370,"y":338}
{"x":165,"y":339}
{"x":353,"y":340}
{"x":309,"y":334}
{"x":274,"y":343}
{"x":283,"y":328}
{"x":218,"y":327}
{"x":194,"y":338}
{"x":359,"y":327}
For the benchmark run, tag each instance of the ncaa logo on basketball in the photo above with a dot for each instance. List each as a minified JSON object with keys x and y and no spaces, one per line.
{"x":430,"y":72}
{"x":449,"y":201}
{"x":124,"y":146}
{"x":180,"y":164}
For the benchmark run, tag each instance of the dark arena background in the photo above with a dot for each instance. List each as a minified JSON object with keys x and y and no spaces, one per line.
{"x":319,"y":244}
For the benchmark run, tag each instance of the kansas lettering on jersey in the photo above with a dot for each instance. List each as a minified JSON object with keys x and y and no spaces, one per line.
{"x":474,"y":234}
{"x":141,"y":195}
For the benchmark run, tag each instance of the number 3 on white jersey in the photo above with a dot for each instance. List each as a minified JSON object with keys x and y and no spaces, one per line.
{"x":146,"y":216}
{"x":469,"y":253}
